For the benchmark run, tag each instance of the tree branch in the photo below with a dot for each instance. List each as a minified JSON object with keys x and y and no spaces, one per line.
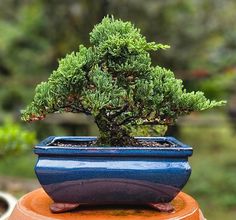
{"x":158,"y":121}
{"x":118,"y":112}
{"x":127,"y":120}
{"x":69,"y":108}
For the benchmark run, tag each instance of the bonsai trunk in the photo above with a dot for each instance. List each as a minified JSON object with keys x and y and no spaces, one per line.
{"x":112,"y":134}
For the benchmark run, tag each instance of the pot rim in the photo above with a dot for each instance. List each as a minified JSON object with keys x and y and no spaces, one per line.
{"x":177,"y":150}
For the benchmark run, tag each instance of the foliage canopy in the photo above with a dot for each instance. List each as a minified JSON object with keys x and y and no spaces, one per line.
{"x":115,"y":82}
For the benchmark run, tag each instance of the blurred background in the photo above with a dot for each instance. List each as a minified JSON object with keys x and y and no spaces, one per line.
{"x":34,"y":34}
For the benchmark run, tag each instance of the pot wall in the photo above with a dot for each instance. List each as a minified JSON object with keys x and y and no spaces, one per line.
{"x":112,"y":175}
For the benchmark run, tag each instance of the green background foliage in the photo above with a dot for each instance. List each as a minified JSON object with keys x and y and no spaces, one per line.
{"x":14,"y":139}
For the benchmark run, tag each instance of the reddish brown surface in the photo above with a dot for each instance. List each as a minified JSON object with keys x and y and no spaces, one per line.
{"x":35,"y":205}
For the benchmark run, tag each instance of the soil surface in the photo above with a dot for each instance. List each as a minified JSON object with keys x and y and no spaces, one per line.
{"x":93,"y":143}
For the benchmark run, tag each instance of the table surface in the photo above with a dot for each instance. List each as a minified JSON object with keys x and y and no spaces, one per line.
{"x":35,"y":205}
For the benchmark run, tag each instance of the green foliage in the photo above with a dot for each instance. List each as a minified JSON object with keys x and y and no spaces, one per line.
{"x":15,"y":139}
{"x":20,"y":165}
{"x":148,"y":131}
{"x":213,"y":181}
{"x":219,"y":86}
{"x":115,"y":82}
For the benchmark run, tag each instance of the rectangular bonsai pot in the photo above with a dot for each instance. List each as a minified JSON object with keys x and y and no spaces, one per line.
{"x":112,"y":175}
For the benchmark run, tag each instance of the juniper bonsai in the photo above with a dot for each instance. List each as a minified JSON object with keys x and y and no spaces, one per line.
{"x":115,"y":82}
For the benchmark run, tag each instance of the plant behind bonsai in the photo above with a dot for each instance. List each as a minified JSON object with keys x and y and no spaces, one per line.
{"x":115,"y":82}
{"x":14,"y":139}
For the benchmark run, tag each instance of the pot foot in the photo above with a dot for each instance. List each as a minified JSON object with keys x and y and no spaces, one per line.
{"x":162,"y":207}
{"x":63,"y":207}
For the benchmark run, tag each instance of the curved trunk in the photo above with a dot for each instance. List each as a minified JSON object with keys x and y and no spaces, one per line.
{"x":112,"y":134}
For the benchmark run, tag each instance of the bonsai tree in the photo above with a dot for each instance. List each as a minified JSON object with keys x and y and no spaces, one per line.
{"x":114,"y":81}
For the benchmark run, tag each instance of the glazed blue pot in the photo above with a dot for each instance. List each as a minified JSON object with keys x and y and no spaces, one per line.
{"x":112,"y":175}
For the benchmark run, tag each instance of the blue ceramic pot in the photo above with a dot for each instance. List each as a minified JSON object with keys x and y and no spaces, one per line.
{"x":112,"y":175}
